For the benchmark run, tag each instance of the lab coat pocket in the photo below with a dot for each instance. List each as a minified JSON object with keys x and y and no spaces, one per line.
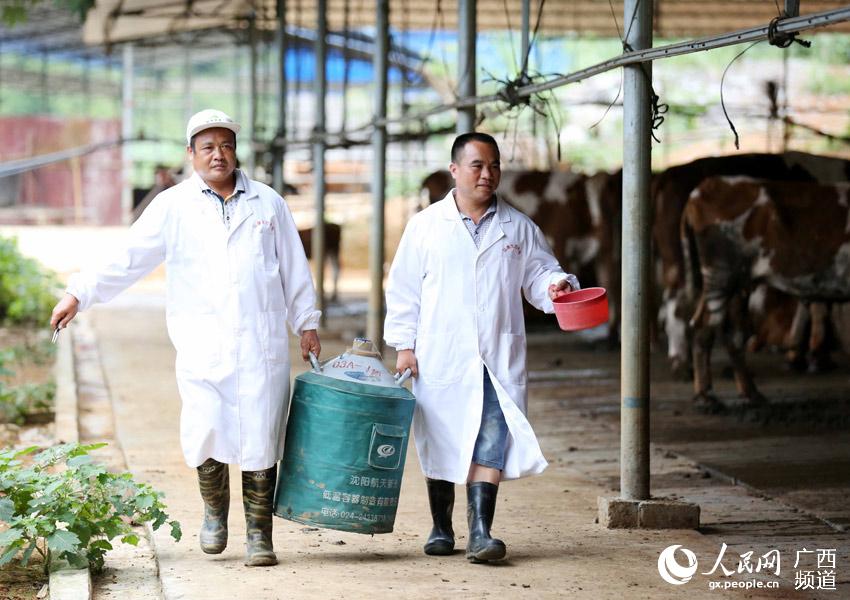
{"x":196,"y":339}
{"x":264,"y":247}
{"x":440,"y":359}
{"x":277,"y":339}
{"x":510,"y":361}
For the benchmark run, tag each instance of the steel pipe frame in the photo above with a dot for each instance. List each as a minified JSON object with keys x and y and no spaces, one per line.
{"x":788,"y":25}
{"x":801,"y":23}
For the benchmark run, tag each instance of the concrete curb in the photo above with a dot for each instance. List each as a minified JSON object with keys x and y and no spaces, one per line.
{"x":67,"y":430}
{"x":67,"y":583}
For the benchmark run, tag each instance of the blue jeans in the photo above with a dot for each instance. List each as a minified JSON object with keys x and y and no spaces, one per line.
{"x":492,"y":441}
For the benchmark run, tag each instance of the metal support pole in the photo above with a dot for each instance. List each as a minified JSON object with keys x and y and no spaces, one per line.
{"x":43,"y":84}
{"x":526,"y":25}
{"x":634,"y":359}
{"x":375,"y":321}
{"x":252,"y":93}
{"x":279,"y":149}
{"x":320,"y":89}
{"x":466,"y":30}
{"x":792,"y":8}
{"x":187,"y":83}
{"x":127,"y":134}
{"x":87,"y":103}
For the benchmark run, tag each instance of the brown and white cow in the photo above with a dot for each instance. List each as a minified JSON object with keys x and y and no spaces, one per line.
{"x":333,"y":240}
{"x":670,"y":191}
{"x":793,"y":236}
{"x":578,"y":214}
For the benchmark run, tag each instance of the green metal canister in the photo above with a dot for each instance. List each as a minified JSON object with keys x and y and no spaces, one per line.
{"x":346,"y":442}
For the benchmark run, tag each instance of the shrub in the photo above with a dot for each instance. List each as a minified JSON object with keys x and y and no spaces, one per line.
{"x":26,"y":287}
{"x":73,"y":512}
{"x":18,"y":403}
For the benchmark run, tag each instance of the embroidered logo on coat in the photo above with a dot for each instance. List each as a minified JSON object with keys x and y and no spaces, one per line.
{"x":264,"y":225}
{"x":512,"y":250}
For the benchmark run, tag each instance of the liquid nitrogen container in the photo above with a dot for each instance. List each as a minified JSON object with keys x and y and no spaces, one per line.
{"x":346,"y":442}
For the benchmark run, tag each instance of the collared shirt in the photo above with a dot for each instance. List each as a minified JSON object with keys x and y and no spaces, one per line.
{"x":226,"y":206}
{"x":478,"y":231}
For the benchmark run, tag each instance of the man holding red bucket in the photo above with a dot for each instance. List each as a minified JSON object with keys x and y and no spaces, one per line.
{"x":454,"y":314}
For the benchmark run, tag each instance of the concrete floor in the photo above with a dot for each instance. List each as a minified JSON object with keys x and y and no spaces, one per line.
{"x":773,"y":480}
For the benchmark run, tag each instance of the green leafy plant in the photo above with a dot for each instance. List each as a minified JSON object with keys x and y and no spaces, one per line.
{"x":66,"y":506}
{"x":26,"y":287}
{"x":20,"y":403}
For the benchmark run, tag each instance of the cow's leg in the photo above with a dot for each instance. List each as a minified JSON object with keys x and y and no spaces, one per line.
{"x":334,"y":258}
{"x":818,"y":356}
{"x":703,"y":340}
{"x":795,"y":355}
{"x":735,"y":336}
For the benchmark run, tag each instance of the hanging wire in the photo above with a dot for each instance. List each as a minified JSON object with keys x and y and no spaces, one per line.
{"x":722,"y":101}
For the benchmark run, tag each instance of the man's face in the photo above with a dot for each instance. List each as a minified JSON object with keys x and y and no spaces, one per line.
{"x":214,"y":156}
{"x":477,"y":172}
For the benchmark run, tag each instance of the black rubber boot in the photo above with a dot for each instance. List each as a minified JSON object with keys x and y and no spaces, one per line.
{"x":214,"y":482}
{"x":258,"y":499}
{"x":441,"y":497}
{"x":480,"y":508}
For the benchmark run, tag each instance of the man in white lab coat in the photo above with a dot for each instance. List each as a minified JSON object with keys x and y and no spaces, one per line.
{"x":236,"y":276}
{"x":454,"y":314}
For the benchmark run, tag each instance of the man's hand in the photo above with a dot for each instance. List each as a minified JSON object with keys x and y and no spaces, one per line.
{"x":64,"y":311}
{"x":407,"y":360}
{"x":310,"y":343}
{"x":562,"y":288}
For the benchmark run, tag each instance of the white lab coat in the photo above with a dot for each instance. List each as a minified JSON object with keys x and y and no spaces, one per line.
{"x":230,"y":296}
{"x":461,"y":307}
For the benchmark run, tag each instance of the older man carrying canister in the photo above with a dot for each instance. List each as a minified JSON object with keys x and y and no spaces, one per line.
{"x":236,"y":276}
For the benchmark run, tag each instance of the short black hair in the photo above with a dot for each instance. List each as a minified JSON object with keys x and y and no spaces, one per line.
{"x":192,"y":141}
{"x":473,"y":136}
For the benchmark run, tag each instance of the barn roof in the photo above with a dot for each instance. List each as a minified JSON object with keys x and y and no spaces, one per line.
{"x":119,"y":20}
{"x":159,"y":22}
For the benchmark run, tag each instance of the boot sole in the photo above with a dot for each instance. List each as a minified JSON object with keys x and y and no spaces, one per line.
{"x":487,"y":554}
{"x":439,"y":549}
{"x":262,"y":560}
{"x":212,"y":549}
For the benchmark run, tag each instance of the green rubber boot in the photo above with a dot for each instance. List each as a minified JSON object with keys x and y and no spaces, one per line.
{"x":258,"y":499}
{"x":214,"y":482}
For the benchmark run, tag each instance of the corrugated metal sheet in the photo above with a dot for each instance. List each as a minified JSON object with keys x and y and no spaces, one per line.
{"x":85,"y":190}
{"x":122,"y":20}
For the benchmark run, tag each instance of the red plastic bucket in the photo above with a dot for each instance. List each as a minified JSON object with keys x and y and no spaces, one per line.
{"x":582,"y":309}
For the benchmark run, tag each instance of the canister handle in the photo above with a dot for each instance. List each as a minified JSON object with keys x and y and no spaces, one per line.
{"x":314,"y":362}
{"x":400,"y":378}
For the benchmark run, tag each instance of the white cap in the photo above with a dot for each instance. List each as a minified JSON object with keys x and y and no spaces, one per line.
{"x":207,"y":119}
